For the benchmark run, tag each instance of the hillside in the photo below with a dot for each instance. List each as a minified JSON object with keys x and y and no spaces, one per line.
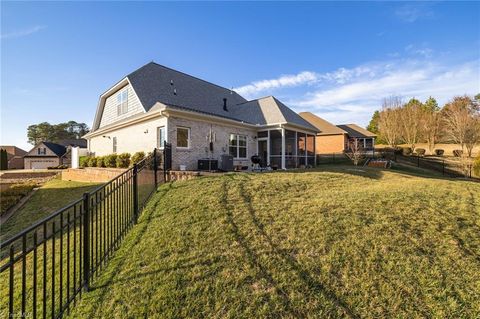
{"x":342,"y":242}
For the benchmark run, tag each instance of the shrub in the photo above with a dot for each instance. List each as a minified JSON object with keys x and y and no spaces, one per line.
{"x":476,"y":166}
{"x":439,"y":152}
{"x":457,"y":153}
{"x":100,"y":161}
{"x":137,"y":157}
{"x":420,"y":151}
{"x":110,"y":160}
{"x":83,"y":161}
{"x":407,"y":151}
{"x":92,"y":161}
{"x":123,"y":160}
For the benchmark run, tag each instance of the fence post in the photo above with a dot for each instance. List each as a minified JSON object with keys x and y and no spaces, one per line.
{"x":164,"y":161}
{"x":86,"y":240}
{"x":135,"y":192}
{"x":155,"y":166}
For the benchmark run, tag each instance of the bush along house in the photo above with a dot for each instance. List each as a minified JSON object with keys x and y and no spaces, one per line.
{"x":200,"y":120}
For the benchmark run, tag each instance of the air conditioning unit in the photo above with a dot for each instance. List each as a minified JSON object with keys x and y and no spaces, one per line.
{"x":226,"y":163}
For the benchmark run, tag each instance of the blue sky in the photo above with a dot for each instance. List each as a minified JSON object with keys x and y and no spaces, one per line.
{"x":338,"y":60}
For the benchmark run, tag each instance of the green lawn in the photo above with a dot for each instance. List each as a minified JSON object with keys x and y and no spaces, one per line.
{"x":52,"y":196}
{"x":338,"y":242}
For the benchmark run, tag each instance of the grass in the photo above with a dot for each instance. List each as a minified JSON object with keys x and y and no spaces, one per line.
{"x":10,"y":197}
{"x":52,"y":196}
{"x":338,"y":242}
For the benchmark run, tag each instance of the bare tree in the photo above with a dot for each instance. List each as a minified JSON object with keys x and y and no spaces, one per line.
{"x":355,"y":151}
{"x":389,"y":120}
{"x":472,"y":137}
{"x":431,"y":120}
{"x":460,"y":118}
{"x":411,"y":115}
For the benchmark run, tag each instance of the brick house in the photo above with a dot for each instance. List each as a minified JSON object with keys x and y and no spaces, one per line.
{"x":333,"y":138}
{"x":200,"y":119}
{"x":48,"y":154}
{"x":14,"y":156}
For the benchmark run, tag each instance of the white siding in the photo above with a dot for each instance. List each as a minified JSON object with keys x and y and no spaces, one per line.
{"x":110,"y":109}
{"x":130,"y":139}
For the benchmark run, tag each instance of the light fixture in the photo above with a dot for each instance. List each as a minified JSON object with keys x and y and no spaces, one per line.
{"x":146,"y":131}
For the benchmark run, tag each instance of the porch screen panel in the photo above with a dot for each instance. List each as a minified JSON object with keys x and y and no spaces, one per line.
{"x":276,"y":148}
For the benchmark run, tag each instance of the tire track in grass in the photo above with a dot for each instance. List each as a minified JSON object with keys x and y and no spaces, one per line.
{"x":250,"y":254}
{"x":311,"y":283}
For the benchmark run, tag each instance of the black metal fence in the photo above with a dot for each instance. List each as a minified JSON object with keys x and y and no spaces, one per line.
{"x":447,"y":168}
{"x":45,"y":267}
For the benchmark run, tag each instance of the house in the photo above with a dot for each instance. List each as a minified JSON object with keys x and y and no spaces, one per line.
{"x":337,"y":138}
{"x":201,"y":120}
{"x":14,"y":156}
{"x":48,"y":154}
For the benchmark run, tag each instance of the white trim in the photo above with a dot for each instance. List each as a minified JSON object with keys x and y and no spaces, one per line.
{"x":283,"y":148}
{"x":159,"y":144}
{"x":188,"y":139}
{"x":238,"y":146}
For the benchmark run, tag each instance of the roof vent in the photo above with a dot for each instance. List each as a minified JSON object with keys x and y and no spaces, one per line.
{"x":225,"y":104}
{"x":174,"y":91}
{"x":171,"y":82}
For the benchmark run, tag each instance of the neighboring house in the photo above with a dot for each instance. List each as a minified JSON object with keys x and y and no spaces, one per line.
{"x":200,"y":119}
{"x":48,"y":154}
{"x":335,"y":138}
{"x":14,"y":156}
{"x":357,"y":134}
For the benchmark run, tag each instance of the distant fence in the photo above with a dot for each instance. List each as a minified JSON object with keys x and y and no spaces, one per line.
{"x":447,"y":168}
{"x":47,"y":265}
{"x":332,"y":158}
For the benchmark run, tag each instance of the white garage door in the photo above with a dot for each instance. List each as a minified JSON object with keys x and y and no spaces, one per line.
{"x":42,"y":164}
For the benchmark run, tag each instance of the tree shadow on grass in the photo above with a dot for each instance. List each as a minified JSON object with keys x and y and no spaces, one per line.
{"x":310,"y":282}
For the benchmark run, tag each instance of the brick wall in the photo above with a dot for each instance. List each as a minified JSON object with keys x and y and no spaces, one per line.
{"x":199,"y":145}
{"x":327,"y":144}
{"x":91,"y":174}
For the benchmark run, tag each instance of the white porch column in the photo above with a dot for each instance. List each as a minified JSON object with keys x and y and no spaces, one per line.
{"x":283,"y":148}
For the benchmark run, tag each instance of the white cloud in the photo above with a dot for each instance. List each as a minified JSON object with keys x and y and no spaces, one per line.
{"x":22,"y":33}
{"x":357,"y":99}
{"x":352,"y":94}
{"x":413,"y":12}
{"x":283,"y":81}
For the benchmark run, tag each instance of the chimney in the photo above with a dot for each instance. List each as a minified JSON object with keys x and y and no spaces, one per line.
{"x":225,"y":104}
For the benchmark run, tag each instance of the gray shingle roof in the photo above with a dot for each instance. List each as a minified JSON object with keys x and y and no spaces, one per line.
{"x":156,"y":83}
{"x":268,"y":110}
{"x":354,"y":130}
{"x":58,"y":149}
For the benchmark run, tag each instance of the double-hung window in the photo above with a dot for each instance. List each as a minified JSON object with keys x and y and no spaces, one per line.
{"x":122,"y":102}
{"x":42,"y":151}
{"x":161,"y":136}
{"x":238,"y":146}
{"x":183,"y":137}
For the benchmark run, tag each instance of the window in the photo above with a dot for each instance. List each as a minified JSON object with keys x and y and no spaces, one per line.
{"x":114,"y":144}
{"x":42,"y":151}
{"x":183,"y":137}
{"x":161,"y":137}
{"x":238,"y":146}
{"x":122,"y":102}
